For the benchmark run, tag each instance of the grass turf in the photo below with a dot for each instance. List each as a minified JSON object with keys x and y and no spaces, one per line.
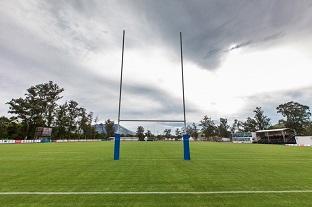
{"x":154,"y":166}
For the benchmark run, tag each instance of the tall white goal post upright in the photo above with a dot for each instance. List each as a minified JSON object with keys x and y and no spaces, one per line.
{"x":186,"y":144}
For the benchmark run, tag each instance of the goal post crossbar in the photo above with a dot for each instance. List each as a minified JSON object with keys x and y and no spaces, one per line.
{"x":151,"y":120}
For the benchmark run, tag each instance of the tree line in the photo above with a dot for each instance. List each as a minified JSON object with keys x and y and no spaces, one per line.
{"x":41,"y":107}
{"x":167,"y":133}
{"x":295,"y":116}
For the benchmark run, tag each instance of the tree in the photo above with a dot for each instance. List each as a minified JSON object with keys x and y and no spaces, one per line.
{"x":47,"y":94}
{"x":223,"y":128}
{"x":15,"y":129}
{"x":85,"y":123}
{"x":73,"y":114}
{"x":259,"y":122}
{"x":237,"y":126}
{"x":22,"y":110}
{"x":208,"y":127}
{"x":297,"y":115}
{"x":262,"y":121}
{"x":148,"y":133}
{"x":96,"y":120}
{"x":192,"y":131}
{"x":4,"y":126}
{"x":62,"y":121}
{"x":140,"y":133}
{"x":307,"y":129}
{"x":38,"y":106}
{"x":167,"y":133}
{"x":178,"y":134}
{"x":110,"y":128}
{"x":250,"y":125}
{"x":10,"y":128}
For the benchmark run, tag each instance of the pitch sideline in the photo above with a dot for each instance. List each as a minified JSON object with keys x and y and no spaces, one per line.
{"x":157,"y":193}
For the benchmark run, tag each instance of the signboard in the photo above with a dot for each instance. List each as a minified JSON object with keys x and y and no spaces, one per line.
{"x":43,"y":132}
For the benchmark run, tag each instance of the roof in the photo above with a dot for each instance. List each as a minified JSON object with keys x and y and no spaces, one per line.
{"x":272,"y":130}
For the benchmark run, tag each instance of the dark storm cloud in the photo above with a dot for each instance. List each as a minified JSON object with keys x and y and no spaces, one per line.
{"x":210,"y":29}
{"x":219,"y":52}
{"x":213,"y":28}
{"x":30,"y":59}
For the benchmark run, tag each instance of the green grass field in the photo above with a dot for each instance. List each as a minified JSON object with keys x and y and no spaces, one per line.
{"x":157,"y":167}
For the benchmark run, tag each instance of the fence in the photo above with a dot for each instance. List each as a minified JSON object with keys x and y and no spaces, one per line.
{"x":30,"y":141}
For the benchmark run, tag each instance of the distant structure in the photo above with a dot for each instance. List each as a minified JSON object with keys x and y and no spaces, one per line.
{"x":276,"y":136}
{"x":244,"y":137}
{"x":43,"y":132}
{"x":304,"y":141}
{"x":285,"y":136}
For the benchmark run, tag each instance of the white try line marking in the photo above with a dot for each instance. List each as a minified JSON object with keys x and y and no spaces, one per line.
{"x":157,"y":193}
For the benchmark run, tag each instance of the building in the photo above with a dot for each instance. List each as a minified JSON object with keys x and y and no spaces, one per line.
{"x":305,"y":141}
{"x":276,"y":136}
{"x":244,"y":137}
{"x":43,"y":133}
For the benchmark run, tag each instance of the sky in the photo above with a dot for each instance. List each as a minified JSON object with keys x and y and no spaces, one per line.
{"x":238,"y":55}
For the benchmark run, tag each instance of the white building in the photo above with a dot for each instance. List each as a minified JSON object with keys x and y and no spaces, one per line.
{"x":304,"y":140}
{"x":244,"y":137}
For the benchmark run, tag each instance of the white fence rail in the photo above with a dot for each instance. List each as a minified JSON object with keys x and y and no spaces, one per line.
{"x":30,"y":141}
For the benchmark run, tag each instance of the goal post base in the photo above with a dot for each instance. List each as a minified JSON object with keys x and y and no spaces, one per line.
{"x":186,"y":147}
{"x":117,"y":147}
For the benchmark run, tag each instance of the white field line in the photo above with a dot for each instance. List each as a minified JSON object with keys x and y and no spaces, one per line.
{"x":158,"y":193}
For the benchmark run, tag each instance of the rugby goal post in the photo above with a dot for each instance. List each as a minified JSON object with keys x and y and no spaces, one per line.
{"x":186,"y":145}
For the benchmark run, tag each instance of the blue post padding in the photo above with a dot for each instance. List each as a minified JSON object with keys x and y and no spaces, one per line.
{"x":186,"y":146}
{"x":117,"y":147}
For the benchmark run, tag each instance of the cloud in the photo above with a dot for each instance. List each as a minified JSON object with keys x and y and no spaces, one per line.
{"x":77,"y":44}
{"x":210,"y":28}
{"x":249,"y":43}
{"x":270,"y":100}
